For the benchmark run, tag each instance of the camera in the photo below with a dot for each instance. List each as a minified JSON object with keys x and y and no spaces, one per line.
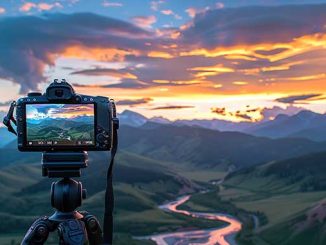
{"x":62,"y":120}
{"x":65,"y":125}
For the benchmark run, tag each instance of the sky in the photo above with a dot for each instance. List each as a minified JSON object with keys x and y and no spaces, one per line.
{"x":43,"y":111}
{"x":234,"y":60}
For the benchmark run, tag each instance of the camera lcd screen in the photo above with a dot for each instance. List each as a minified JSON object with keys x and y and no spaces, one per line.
{"x":60,"y":124}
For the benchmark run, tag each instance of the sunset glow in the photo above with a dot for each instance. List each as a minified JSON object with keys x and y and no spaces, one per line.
{"x":180,"y":66}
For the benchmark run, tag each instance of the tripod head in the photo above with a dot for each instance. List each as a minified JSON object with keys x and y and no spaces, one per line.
{"x":66,"y":194}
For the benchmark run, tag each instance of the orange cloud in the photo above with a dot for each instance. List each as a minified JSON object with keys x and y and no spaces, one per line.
{"x":240,"y":83}
{"x":211,"y":70}
{"x":97,"y":53}
{"x":159,"y":54}
{"x":295,"y":47}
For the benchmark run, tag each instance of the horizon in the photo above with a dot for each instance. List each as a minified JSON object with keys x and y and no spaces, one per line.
{"x":263,"y":119}
{"x":154,"y":58}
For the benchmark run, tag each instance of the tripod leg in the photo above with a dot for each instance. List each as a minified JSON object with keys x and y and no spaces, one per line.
{"x":93,"y":228}
{"x":39,"y":231}
{"x":72,"y":232}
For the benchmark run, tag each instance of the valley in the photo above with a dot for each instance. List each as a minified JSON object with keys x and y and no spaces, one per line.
{"x":270,"y":185}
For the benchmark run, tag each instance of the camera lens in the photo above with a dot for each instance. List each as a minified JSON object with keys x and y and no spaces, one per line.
{"x":58,"y":92}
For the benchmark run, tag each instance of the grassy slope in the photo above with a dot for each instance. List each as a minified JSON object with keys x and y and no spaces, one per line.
{"x":140,"y":185}
{"x":276,"y":189}
{"x":206,"y":149}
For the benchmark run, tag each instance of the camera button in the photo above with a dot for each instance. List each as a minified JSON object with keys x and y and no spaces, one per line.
{"x":100,"y":138}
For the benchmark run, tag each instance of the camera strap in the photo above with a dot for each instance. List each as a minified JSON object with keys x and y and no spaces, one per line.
{"x":109,"y":195}
{"x":10,"y":118}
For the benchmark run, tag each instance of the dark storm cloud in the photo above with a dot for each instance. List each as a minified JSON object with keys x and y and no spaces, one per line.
{"x":254,"y":24}
{"x":296,"y":98}
{"x":135,"y":101}
{"x":173,"y":107}
{"x":27,"y":42}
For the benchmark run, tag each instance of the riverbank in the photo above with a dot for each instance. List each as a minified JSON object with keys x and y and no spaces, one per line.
{"x":224,"y":235}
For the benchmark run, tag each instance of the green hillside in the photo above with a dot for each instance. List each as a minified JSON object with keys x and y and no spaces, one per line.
{"x":285,"y":191}
{"x":205,"y":148}
{"x":141,"y":184}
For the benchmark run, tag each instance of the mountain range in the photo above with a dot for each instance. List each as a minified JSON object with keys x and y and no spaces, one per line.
{"x":206,"y":148}
{"x":304,"y":124}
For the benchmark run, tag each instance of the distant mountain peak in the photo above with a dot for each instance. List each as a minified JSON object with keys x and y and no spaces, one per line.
{"x":281,"y":117}
{"x":132,"y":118}
{"x":308,"y":114}
{"x":161,"y":120}
{"x":131,"y":113}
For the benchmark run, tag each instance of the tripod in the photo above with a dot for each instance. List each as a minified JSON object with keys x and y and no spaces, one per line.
{"x":74,"y":227}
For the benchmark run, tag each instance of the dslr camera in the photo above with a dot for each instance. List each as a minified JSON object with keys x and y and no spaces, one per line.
{"x":62,"y":120}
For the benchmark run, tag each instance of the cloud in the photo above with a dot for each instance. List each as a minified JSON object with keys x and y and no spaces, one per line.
{"x":257,"y":113}
{"x":219,"y":5}
{"x":27,"y":51}
{"x":172,"y":107}
{"x":219,"y":111}
{"x":111,"y":4}
{"x":170,"y":12}
{"x":2,"y":10}
{"x":192,"y":12}
{"x":253,"y":25}
{"x":124,"y":83}
{"x":271,"y":113}
{"x":244,"y":116}
{"x":155,"y":5}
{"x":134,"y":102}
{"x":28,"y":6}
{"x":264,"y":47}
{"x":144,"y":21}
{"x":118,"y":73}
{"x":249,"y":114}
{"x":293,"y":99}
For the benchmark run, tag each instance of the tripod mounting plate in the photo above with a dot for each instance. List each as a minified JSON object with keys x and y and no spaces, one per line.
{"x":59,"y":216}
{"x":63,"y":164}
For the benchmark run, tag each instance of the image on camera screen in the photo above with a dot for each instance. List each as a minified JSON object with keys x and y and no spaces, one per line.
{"x":60,"y":124}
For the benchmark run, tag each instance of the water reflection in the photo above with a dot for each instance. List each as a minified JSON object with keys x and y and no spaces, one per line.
{"x":222,"y":236}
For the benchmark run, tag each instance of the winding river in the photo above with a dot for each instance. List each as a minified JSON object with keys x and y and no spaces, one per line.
{"x":221,"y":235}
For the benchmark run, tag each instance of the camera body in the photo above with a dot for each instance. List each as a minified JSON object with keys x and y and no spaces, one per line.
{"x":62,"y":120}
